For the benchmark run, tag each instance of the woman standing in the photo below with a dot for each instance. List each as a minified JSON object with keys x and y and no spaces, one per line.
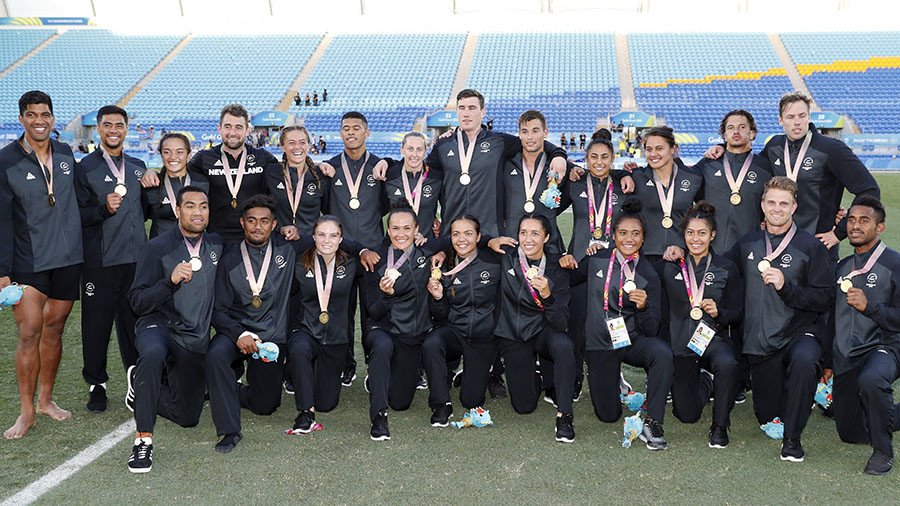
{"x":624,"y":298}
{"x":667,"y":189}
{"x":300,"y":189}
{"x":533,"y":312}
{"x":397,"y":298}
{"x":705,"y":296}
{"x":410,"y":180}
{"x":175,"y":148}
{"x":463,"y":301}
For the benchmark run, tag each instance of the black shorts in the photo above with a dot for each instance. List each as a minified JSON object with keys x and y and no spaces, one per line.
{"x":62,"y":283}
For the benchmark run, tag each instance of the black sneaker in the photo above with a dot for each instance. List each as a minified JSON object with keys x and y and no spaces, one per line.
{"x":97,"y":399}
{"x":228,"y":442}
{"x":879,"y":463}
{"x":380,"y":430}
{"x":740,"y":397}
{"x":366,"y":384}
{"x":653,"y":435}
{"x":422,"y":383}
{"x":792,"y":450}
{"x":141,"y":460}
{"x":576,"y":394}
{"x":718,"y":437}
{"x":289,"y":387}
{"x":550,"y":396}
{"x":496,"y":388}
{"x":624,"y":385}
{"x":304,"y":422}
{"x":440,"y":416}
{"x":130,"y":377}
{"x":348,"y":376}
{"x":565,"y":430}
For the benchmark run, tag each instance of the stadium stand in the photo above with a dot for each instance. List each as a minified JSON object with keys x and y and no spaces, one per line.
{"x":391,"y":78}
{"x":572,"y":78}
{"x":83,"y":70}
{"x":854,"y":74}
{"x":211,"y":71}
{"x":693,"y":79}
{"x":14,"y":44}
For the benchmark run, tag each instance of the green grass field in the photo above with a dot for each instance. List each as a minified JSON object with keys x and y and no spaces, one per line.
{"x":516,"y":461}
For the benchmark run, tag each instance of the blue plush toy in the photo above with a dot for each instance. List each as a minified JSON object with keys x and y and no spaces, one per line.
{"x":11,"y":295}
{"x":774,"y":429}
{"x":475,"y":417}
{"x":823,"y":393}
{"x":634,"y":400}
{"x":268,"y":352}
{"x":633,"y":426}
{"x":551,"y":197}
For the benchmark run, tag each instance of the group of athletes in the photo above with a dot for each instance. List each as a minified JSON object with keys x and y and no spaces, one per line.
{"x":714,"y":279}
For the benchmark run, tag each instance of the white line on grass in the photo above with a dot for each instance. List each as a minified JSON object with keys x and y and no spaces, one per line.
{"x":50,"y":480}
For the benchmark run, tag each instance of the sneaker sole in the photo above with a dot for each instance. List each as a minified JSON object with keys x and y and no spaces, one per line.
{"x":718,"y":447}
{"x":877,"y":473}
{"x":650,"y":447}
{"x":789,"y":458}
{"x":562,"y":439}
{"x":741,"y":401}
{"x":380,"y":438}
{"x":129,"y":393}
{"x":421,"y":387}
{"x":439,"y":424}
{"x":348,"y":383}
{"x":140,"y":470}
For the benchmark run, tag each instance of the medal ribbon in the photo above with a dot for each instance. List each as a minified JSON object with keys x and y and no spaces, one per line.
{"x":352,"y":185}
{"x":323,"y":289}
{"x":45,"y":171}
{"x":594,"y":211}
{"x":532,"y":176}
{"x":234,"y":185}
{"x":793,"y":171}
{"x":781,"y":247}
{"x":668,"y":198}
{"x":118,"y":172}
{"x":194,"y":251}
{"x":735,"y":184}
{"x":294,"y":194}
{"x":465,"y":155}
{"x":694,"y":290}
{"x":414,"y":197}
{"x":256,"y":285}
{"x":869,"y":263}
{"x":523,"y":264}
{"x":462,"y":265}
{"x":170,"y":192}
{"x":400,"y":261}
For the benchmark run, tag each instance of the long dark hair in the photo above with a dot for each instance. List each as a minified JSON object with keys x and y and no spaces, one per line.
{"x":310,"y":164}
{"x":309,"y":256}
{"x":471,"y":219}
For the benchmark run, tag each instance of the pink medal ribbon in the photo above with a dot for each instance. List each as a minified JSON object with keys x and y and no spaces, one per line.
{"x":170,"y":192}
{"x":595,"y":212}
{"x":694,"y":290}
{"x":414,"y":197}
{"x":465,"y":156}
{"x":353,"y":184}
{"x":735,"y":183}
{"x":256,"y":284}
{"x":234,"y":185}
{"x":194,"y":252}
{"x":793,"y":171}
{"x":846,"y":282}
{"x":529,"y":272}
{"x":323,"y":287}
{"x":294,"y":194}
{"x":462,"y":265}
{"x":532,"y":178}
{"x":117,"y":172}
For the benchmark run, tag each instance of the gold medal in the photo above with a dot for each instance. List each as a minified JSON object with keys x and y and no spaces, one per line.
{"x":735,"y":199}
{"x":323,"y":317}
{"x":436,"y":273}
{"x":120,"y":190}
{"x":532,"y":272}
{"x":51,"y":199}
{"x":465,"y":180}
{"x":629,"y":286}
{"x":233,"y":203}
{"x":846,"y":284}
{"x":667,"y":222}
{"x":354,"y":203}
{"x":256,"y":302}
{"x":196,"y":264}
{"x":529,"y":207}
{"x":392,"y":273}
{"x":696,"y":313}
{"x":597,"y":233}
{"x":763,"y":265}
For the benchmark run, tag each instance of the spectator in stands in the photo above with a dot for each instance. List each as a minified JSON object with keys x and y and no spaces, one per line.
{"x":572,"y":141}
{"x":91,"y":146}
{"x":316,"y":98}
{"x":322,"y":145}
{"x":562,"y":140}
{"x":324,"y":95}
{"x":307,"y":100}
{"x":297,"y":99}
{"x":582,"y":139}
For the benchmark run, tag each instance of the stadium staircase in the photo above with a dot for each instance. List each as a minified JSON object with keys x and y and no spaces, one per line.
{"x":28,"y":38}
{"x":159,"y":66}
{"x":463,"y":69}
{"x":623,"y":59}
{"x":791,"y":69}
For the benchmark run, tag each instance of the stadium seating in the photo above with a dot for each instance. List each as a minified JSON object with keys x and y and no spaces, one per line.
{"x":391,"y":78}
{"x":212,"y":71}
{"x":572,"y":78}
{"x":693,"y":79}
{"x":15,"y":44}
{"x":83,"y":70}
{"x":854,"y":74}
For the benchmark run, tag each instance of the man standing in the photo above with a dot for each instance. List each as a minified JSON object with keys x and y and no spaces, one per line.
{"x":234,"y":169}
{"x":253,"y":290}
{"x":173,"y":298}
{"x":112,"y":216}
{"x":866,"y":348}
{"x":472,"y":163}
{"x":787,"y":285}
{"x":40,"y":249}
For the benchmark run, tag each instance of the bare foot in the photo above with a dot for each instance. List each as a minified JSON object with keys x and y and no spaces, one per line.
{"x":53,"y":411}
{"x":20,"y":428}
